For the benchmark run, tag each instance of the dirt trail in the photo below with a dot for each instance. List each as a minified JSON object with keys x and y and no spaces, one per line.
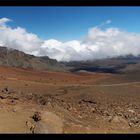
{"x":86,"y":85}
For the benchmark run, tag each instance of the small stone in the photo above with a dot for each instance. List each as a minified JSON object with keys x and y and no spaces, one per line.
{"x":93,"y":110}
{"x":36,"y":117}
{"x":79,"y":116}
{"x":42,"y":101}
{"x":12,"y":101}
{"x":130,"y":110}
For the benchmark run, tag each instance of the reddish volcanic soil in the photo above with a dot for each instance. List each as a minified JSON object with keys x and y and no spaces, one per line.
{"x":51,"y":77}
{"x":64,"y":102}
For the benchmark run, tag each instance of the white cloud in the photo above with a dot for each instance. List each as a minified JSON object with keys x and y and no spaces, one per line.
{"x":104,"y":23}
{"x":97,"y":43}
{"x":4,"y":20}
{"x":18,"y":38}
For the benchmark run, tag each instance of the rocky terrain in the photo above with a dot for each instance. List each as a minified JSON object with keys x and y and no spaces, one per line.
{"x":41,"y":95}
{"x":63,"y":102}
{"x":15,"y":58}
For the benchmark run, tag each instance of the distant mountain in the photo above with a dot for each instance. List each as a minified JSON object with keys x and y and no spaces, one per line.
{"x":15,"y":58}
{"x":121,"y":64}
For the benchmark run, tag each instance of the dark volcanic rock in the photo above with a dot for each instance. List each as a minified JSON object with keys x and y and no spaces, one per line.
{"x":36,"y":117}
{"x":7,"y":90}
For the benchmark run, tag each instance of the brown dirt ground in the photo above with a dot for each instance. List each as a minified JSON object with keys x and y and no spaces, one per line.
{"x":84,"y":102}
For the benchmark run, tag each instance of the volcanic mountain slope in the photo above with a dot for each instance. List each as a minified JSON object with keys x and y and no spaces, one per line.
{"x":15,"y":58}
{"x":121,"y":64}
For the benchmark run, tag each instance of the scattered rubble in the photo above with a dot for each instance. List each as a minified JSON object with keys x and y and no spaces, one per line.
{"x":7,"y":90}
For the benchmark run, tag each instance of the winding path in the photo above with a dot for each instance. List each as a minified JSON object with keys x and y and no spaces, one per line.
{"x":86,"y":85}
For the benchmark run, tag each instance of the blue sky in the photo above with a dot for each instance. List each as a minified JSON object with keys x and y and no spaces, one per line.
{"x":71,"y":33}
{"x":68,"y":23}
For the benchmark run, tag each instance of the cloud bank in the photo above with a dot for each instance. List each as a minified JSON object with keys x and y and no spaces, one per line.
{"x":97,"y":43}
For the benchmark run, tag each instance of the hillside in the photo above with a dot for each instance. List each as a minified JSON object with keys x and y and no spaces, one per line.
{"x":15,"y":58}
{"x":121,"y":64}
